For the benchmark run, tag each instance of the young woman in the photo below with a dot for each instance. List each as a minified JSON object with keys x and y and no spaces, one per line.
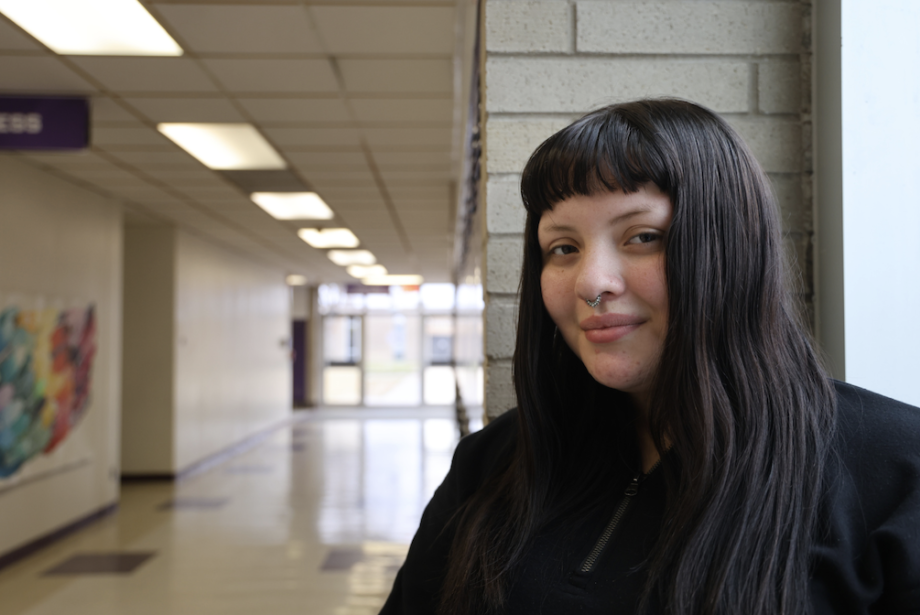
{"x":677,"y":447}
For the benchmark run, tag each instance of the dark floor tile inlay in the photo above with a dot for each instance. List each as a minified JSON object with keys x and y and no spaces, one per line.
{"x":193,"y":503}
{"x":101,"y":563}
{"x":342,"y":559}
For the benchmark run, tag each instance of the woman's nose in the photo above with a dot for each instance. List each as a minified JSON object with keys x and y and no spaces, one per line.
{"x":599,"y":274}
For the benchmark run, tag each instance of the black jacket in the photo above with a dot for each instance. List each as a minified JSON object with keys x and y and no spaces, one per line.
{"x":866,"y":558}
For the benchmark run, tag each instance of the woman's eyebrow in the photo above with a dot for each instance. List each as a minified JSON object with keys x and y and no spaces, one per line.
{"x":556,"y":228}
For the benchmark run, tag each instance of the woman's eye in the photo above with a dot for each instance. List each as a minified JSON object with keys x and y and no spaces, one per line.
{"x":562,"y":250}
{"x":648,"y":237}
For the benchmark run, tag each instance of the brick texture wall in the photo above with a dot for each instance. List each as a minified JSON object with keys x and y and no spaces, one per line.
{"x":548,"y":62}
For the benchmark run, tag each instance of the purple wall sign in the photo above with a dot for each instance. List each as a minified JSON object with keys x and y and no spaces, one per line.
{"x":47,"y":122}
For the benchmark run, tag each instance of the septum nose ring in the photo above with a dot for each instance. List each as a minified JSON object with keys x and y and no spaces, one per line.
{"x":594,"y":303}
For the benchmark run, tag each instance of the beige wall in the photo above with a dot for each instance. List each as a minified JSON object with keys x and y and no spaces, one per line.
{"x":61,"y":245}
{"x":548,"y":62}
{"x":207,"y":362}
{"x":147,"y":445}
{"x":233,"y":368}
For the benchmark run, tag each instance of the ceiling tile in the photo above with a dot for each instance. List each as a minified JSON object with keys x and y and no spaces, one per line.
{"x":313,"y":136}
{"x":318,"y":176}
{"x":14,"y":39}
{"x":182,"y":176}
{"x":422,"y":176}
{"x":209,"y":193}
{"x":186,"y":109}
{"x":410,"y":206}
{"x":397,"y":75}
{"x":144,"y":74}
{"x":107,"y":110}
{"x":424,"y":218}
{"x":391,"y":29}
{"x":331,"y":193}
{"x":388,"y":159}
{"x":405,"y":110}
{"x":409,"y":192}
{"x":325,"y":186}
{"x":125,"y":181}
{"x":242,"y":29}
{"x":368,"y":220}
{"x":83,"y":159}
{"x":168,"y":206}
{"x":274,"y":75}
{"x":408,"y":136}
{"x":195,"y":219}
{"x":103,"y":136}
{"x":358,"y":206}
{"x":175,"y":159}
{"x":40,"y":75}
{"x":139,"y":193}
{"x":237,"y":201}
{"x":307,"y":160}
{"x":137,"y":217}
{"x":110,"y":173}
{"x":288,"y":110}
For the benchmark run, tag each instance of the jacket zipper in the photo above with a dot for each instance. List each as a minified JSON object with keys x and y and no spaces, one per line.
{"x":631,"y":490}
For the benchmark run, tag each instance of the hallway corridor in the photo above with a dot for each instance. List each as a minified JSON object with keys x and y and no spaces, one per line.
{"x":314,"y":519}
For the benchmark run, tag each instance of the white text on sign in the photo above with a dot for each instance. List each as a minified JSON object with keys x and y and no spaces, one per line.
{"x":20,"y":123}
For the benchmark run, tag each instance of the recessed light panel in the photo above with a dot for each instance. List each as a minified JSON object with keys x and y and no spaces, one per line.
{"x":296,"y":280}
{"x":393,"y":280}
{"x":92,"y":27}
{"x":225,"y":146}
{"x":365,"y":271}
{"x":329,"y":237}
{"x":292,"y":205}
{"x":344,"y":258}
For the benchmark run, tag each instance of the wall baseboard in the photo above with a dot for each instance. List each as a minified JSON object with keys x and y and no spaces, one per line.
{"x":33,"y":546}
{"x":214,"y":459}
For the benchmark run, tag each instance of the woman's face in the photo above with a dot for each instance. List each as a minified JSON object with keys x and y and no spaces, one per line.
{"x":609,"y":245}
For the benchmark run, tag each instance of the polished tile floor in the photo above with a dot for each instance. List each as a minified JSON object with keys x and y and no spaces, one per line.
{"x":314,"y":520}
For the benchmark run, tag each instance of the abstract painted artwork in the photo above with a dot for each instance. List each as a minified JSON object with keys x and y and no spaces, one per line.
{"x":46,"y":358}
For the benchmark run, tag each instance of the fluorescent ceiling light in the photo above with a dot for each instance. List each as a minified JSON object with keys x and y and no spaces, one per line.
{"x":226,"y":147}
{"x":345,"y":258}
{"x":393,"y":280}
{"x":296,"y":280}
{"x":92,"y":27}
{"x":366,"y":271}
{"x":329,"y":237}
{"x":292,"y":205}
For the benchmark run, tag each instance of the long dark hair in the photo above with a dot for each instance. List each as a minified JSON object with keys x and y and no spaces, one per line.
{"x":740,"y":395}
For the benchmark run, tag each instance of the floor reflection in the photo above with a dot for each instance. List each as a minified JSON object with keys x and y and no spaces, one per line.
{"x":315,"y":519}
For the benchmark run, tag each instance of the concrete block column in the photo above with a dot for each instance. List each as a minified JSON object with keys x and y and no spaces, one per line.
{"x":548,"y":62}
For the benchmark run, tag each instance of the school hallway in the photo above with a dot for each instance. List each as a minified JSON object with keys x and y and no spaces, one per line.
{"x":313,"y":518}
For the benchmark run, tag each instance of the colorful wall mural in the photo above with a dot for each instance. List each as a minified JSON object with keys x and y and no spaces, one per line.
{"x":46,"y":358}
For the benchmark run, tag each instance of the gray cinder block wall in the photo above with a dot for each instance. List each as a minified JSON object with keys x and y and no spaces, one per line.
{"x":548,"y":62}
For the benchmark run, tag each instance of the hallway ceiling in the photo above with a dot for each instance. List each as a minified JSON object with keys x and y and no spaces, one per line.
{"x":358,"y":97}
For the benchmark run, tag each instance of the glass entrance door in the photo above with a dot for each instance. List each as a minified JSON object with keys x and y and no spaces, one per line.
{"x":342,"y":360}
{"x":392,"y":363}
{"x":438,"y":344}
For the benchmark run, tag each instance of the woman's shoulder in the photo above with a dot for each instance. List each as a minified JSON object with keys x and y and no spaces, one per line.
{"x":479,"y":453}
{"x":866,"y":554}
{"x":874,"y":427}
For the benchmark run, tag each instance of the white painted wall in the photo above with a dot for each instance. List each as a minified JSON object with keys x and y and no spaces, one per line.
{"x":880,"y":101}
{"x":232,"y":366}
{"x":62,"y":245}
{"x":148,"y":371}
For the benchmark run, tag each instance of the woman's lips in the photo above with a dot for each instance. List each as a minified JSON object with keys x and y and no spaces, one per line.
{"x":606,"y":328}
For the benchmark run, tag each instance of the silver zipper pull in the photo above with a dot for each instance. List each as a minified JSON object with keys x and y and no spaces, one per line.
{"x":633,"y":487}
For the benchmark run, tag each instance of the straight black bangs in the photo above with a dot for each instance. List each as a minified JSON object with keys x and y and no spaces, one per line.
{"x":620,"y":147}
